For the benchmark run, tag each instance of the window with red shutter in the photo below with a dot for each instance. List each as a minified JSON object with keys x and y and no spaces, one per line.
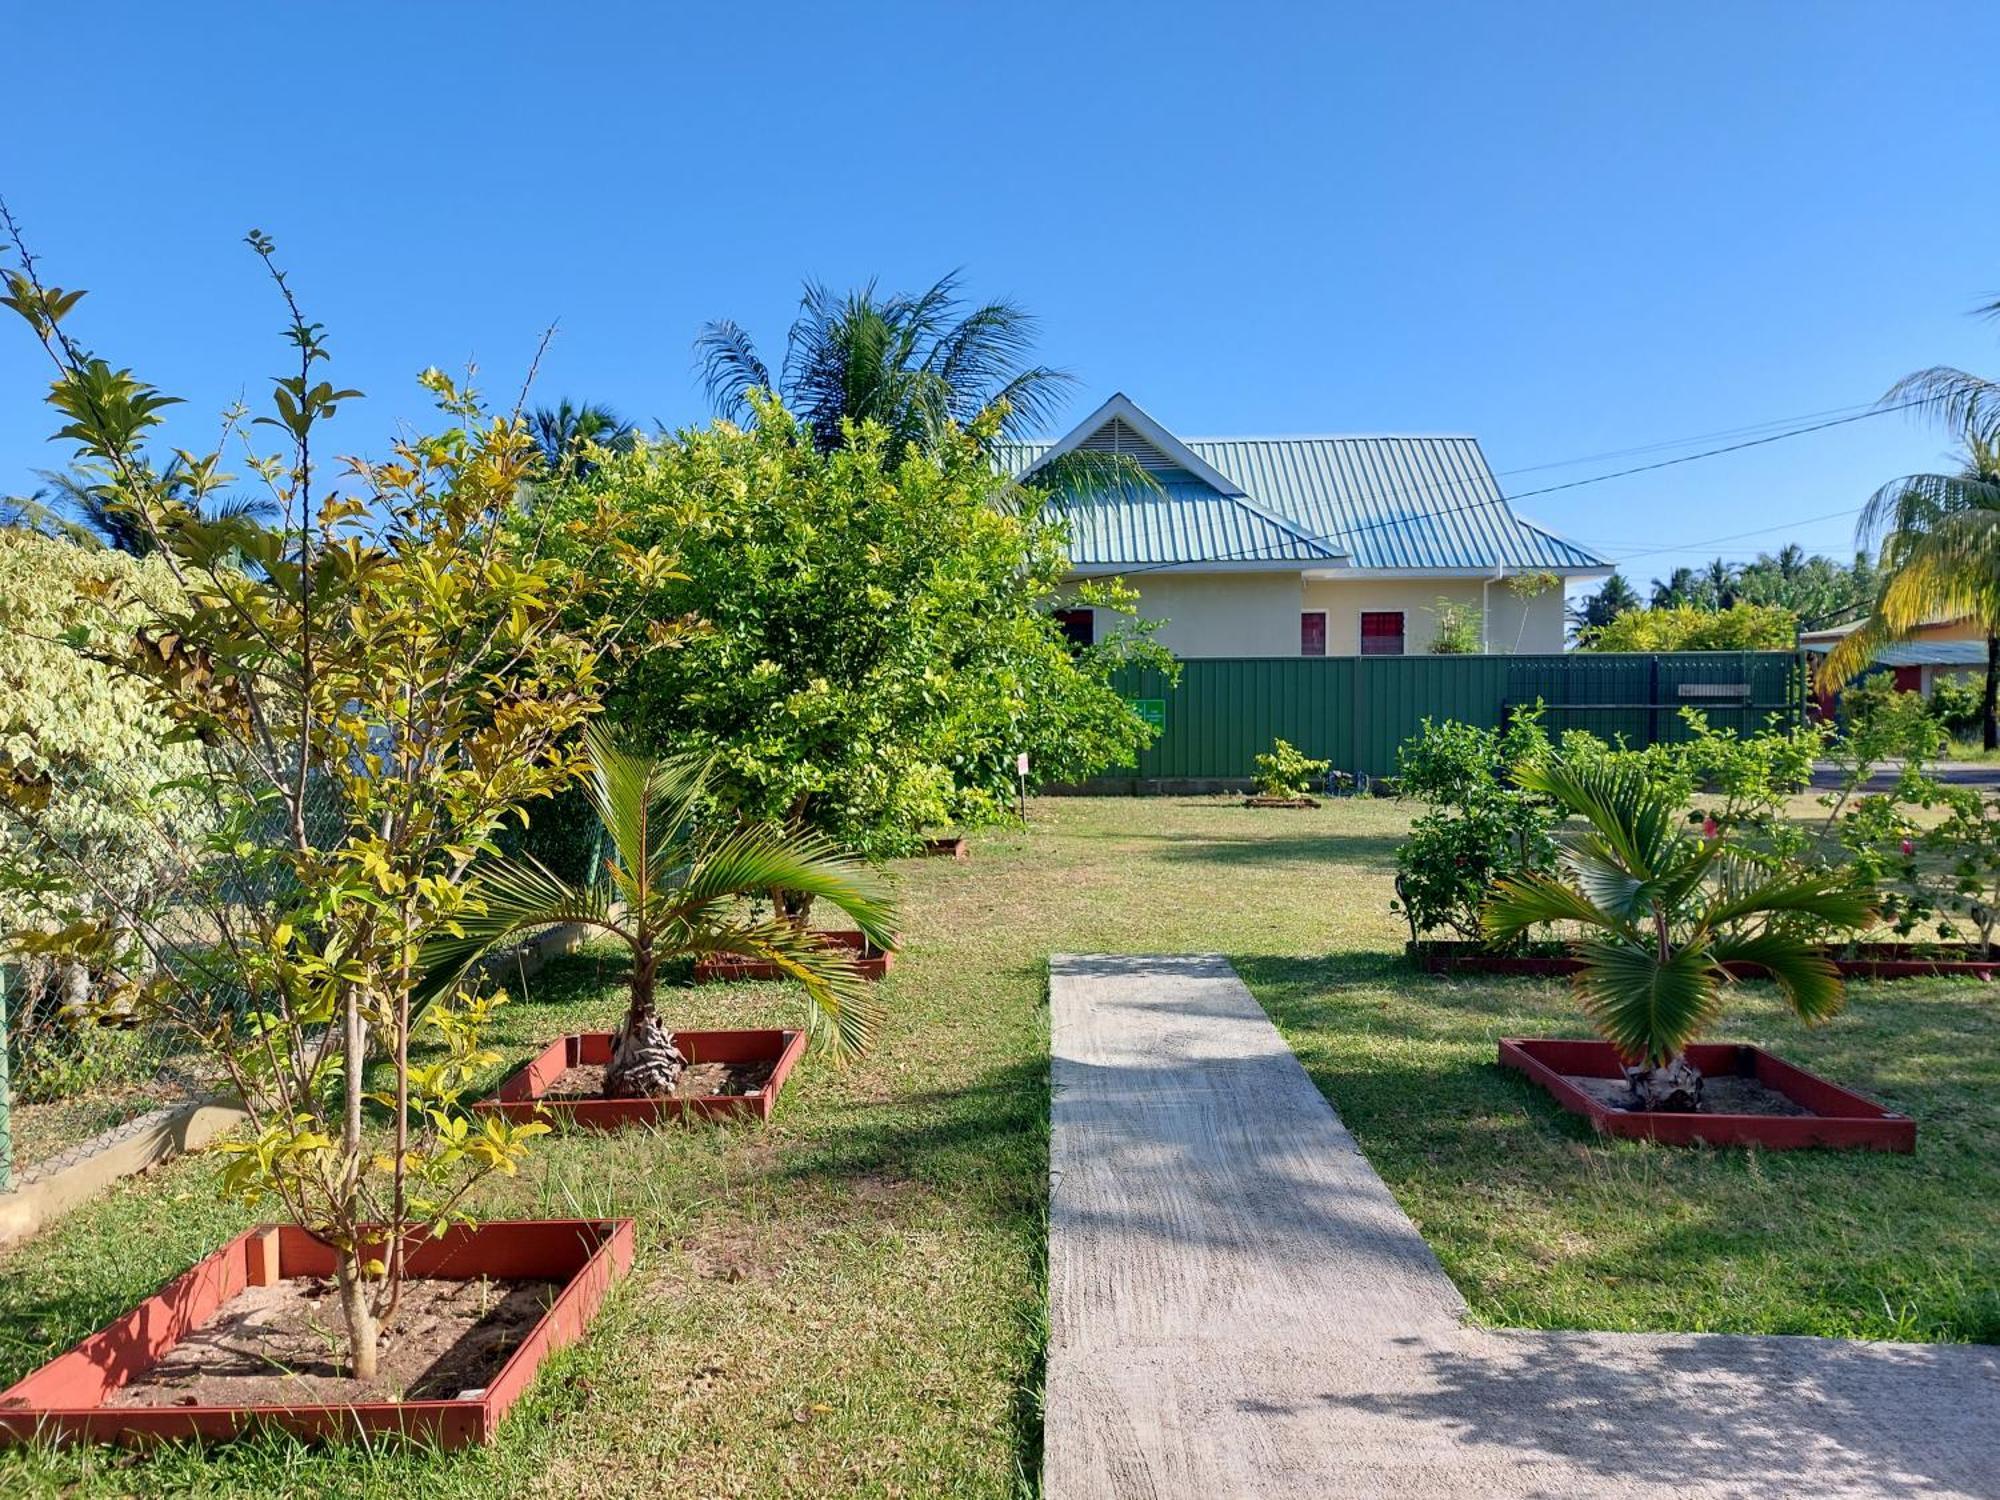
{"x":1381,"y":632}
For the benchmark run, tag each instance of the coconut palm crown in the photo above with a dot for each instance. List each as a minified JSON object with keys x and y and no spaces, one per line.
{"x":1664,"y":917}
{"x":919,"y":365}
{"x":1940,"y":539}
{"x":671,"y":891}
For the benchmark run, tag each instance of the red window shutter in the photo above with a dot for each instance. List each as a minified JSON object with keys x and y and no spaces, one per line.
{"x":1381,"y":632}
{"x":1312,"y":633}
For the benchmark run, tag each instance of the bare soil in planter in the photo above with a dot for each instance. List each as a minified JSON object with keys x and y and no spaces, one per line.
{"x":1723,"y":1095}
{"x":287,"y":1345}
{"x":697,"y":1081}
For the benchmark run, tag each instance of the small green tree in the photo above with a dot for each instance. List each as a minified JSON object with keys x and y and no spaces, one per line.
{"x":673,"y":893}
{"x":876,"y":638}
{"x":1663,"y":916}
{"x":1287,"y":773}
{"x":372,"y":684}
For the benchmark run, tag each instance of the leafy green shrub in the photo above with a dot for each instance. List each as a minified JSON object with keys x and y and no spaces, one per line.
{"x":876,"y":638}
{"x":1287,"y":772}
{"x":1480,"y":827}
{"x":1460,"y":631}
{"x":1957,"y":703}
{"x":1741,"y":627}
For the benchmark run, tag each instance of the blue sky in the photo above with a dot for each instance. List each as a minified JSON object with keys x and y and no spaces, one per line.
{"x":1566,"y":228}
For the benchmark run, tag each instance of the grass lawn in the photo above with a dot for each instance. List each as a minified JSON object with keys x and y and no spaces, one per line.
{"x":849,"y":1301}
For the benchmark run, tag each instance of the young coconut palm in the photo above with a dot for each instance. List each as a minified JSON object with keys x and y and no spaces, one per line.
{"x":1664,"y":917}
{"x":670,"y":893}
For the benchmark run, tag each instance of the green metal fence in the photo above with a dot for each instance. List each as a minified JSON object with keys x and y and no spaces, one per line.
{"x":1356,"y":710}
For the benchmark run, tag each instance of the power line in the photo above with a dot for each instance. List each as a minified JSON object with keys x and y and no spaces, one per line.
{"x":1682,"y":442}
{"x":1261,"y":553}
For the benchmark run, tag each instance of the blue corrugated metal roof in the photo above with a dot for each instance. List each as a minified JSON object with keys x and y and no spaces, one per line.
{"x":1932,"y":654}
{"x":1380,"y":502}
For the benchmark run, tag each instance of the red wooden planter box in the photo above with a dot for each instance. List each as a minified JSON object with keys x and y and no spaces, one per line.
{"x":953,"y":848}
{"x":63,"y":1401}
{"x":1866,"y":961}
{"x":1839,"y":1116}
{"x":521,"y":1096}
{"x":714,"y":968}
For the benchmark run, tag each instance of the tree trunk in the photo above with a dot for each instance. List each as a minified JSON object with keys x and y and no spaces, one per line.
{"x":1988,"y":725}
{"x":363,"y":1333}
{"x":1673,"y":1088}
{"x":794,"y":906}
{"x":645,"y":1063}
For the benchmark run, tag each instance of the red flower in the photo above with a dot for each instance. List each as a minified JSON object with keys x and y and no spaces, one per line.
{"x":1709,"y":828}
{"x":1908,"y":847}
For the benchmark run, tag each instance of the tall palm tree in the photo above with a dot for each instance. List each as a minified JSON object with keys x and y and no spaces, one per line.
{"x":916,"y":364}
{"x":1940,"y":559}
{"x":1677,"y":588}
{"x":1664,"y":917}
{"x":1719,"y":580}
{"x":673,"y":891}
{"x":565,"y":433}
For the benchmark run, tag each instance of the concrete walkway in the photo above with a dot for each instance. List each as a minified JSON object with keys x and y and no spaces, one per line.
{"x":1238,"y":1308}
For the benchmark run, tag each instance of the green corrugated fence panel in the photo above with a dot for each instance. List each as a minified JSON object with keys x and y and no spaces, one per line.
{"x":1357,"y":711}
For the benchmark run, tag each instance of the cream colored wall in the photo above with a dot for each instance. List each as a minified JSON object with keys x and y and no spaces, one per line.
{"x":1221,"y":614}
{"x":1512,"y":624}
{"x":1257,"y":614}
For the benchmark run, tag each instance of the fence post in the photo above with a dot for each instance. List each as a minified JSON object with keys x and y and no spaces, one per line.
{"x":1653,"y":703}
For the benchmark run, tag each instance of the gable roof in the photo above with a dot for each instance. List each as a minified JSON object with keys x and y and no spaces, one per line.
{"x":1372,"y":503}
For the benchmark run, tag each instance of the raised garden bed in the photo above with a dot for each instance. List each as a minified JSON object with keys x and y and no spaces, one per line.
{"x":491,"y":1303}
{"x":1758,"y":1099}
{"x":730,"y":1074}
{"x":951,"y":848}
{"x":1855,"y":961}
{"x":1280,"y":802}
{"x":717,"y":968}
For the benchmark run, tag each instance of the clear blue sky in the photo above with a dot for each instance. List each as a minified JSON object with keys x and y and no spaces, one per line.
{"x":1567,"y":228}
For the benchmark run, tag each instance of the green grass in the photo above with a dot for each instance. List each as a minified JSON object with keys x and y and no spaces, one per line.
{"x":848,"y":1302}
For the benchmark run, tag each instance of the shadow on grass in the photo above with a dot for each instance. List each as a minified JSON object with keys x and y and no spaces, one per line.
{"x":1365,"y":850}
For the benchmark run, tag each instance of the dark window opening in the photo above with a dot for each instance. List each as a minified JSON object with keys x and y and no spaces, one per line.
{"x":1381,"y":632}
{"x":1312,"y":633}
{"x":1079,"y":626}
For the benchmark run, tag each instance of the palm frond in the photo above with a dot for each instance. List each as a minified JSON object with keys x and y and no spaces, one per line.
{"x":730,"y":366}
{"x":1522,"y":902}
{"x":1832,"y":899}
{"x":1954,"y":397}
{"x":845,"y":1007}
{"x":1646,"y":1007}
{"x":509,"y":899}
{"x":1636,"y":825}
{"x":761,"y":858}
{"x":1809,"y":981}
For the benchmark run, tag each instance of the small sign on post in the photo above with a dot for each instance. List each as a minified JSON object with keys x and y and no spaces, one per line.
{"x":1021,"y":784}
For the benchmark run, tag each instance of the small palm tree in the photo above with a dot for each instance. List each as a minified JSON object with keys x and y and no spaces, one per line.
{"x":1940,"y":539}
{"x":916,"y":364}
{"x":1665,"y":916}
{"x":672,"y":892}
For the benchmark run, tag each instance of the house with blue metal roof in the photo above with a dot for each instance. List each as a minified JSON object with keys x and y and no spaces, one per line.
{"x":1314,"y":546}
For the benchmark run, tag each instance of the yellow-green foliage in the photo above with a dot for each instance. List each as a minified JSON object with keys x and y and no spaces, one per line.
{"x":78,"y":728}
{"x":1741,"y":627}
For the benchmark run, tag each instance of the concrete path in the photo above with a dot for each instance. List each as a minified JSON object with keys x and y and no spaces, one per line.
{"x":1238,"y":1308}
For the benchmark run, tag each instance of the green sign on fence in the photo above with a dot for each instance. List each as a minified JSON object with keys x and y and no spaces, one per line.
{"x":1152,"y":710}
